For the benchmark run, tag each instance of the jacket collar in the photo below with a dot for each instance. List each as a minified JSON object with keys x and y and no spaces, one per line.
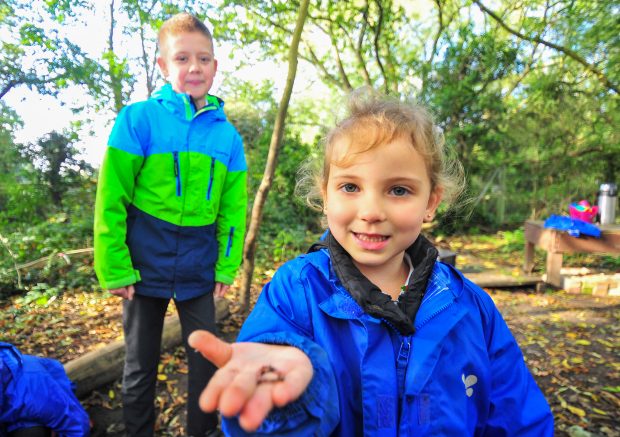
{"x":370,"y":298}
{"x":181,"y":104}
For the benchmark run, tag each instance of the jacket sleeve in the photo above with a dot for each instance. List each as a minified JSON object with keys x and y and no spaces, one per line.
{"x":39,"y":393}
{"x":281,"y":317}
{"x":121,"y":164}
{"x":231,"y":216}
{"x":517,"y":405}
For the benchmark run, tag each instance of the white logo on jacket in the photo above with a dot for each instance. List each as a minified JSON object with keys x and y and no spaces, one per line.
{"x":469,"y":382}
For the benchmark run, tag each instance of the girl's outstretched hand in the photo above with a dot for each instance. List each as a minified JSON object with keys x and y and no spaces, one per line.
{"x":252,"y":377}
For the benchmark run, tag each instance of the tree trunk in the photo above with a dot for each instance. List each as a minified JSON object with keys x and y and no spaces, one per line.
{"x":249,"y":249}
{"x":116,"y":84}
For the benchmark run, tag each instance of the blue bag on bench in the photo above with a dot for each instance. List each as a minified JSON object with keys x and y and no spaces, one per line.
{"x":574,"y":227}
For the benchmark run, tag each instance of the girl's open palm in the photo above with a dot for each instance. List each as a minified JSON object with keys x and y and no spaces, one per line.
{"x":238,"y":388}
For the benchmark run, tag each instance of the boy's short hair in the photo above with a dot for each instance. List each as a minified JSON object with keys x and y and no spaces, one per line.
{"x":183,"y":22}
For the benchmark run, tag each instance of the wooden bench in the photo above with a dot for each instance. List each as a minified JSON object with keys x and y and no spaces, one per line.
{"x":446,"y":256}
{"x":557,"y":243}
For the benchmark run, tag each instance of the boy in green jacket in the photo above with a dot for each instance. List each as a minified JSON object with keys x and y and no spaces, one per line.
{"x":170,"y":217}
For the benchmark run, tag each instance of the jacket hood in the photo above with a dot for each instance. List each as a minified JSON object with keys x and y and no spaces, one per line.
{"x":180,"y":104}
{"x":372,"y":300}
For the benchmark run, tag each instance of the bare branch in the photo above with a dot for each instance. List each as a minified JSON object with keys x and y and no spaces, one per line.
{"x":8,"y":88}
{"x":341,"y":70}
{"x":526,"y":71}
{"x":568,"y":52}
{"x":314,"y":60}
{"x":357,"y":51}
{"x":377,"y":34}
{"x":438,"y":33}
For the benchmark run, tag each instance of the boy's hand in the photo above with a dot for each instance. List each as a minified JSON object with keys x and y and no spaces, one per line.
{"x":252,"y":377}
{"x":124,"y":292}
{"x":220,"y":289}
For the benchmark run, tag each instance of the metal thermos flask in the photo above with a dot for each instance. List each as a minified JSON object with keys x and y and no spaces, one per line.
{"x":607,"y":201}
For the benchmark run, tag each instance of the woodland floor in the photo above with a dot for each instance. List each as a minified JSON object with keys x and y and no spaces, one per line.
{"x":570,"y":342}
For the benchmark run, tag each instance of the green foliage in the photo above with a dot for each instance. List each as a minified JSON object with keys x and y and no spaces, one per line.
{"x":528,"y":105}
{"x":38,"y":57}
{"x":59,"y":170}
{"x":46,"y":203}
{"x":37,"y":178}
{"x":286,"y":220}
{"x":50,"y":238}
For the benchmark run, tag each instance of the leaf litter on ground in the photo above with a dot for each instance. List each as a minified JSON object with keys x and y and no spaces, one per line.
{"x":570,"y":343}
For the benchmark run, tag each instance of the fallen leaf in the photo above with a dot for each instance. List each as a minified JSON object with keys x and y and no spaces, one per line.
{"x":576,"y":410}
{"x":604,"y":342}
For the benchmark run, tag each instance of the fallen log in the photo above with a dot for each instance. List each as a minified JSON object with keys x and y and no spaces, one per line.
{"x":102,"y":366}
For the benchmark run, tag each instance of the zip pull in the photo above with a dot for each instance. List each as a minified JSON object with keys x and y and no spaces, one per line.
{"x":401,"y":364}
{"x":403,"y":353}
{"x":177,"y":172}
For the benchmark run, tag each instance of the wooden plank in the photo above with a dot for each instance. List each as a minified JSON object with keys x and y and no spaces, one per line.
{"x":554,"y":267}
{"x":498,"y":280}
{"x":528,"y":262}
{"x":554,"y":240}
{"x":556,"y":243}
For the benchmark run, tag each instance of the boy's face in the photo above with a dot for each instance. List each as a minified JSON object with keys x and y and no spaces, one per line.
{"x":375,"y":206}
{"x":187,"y":62}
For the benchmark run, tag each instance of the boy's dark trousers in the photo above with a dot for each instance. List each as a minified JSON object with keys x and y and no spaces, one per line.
{"x":143,"y":320}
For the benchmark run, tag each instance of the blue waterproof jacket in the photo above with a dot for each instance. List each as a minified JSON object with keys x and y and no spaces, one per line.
{"x":458,"y":372}
{"x":36,"y":391}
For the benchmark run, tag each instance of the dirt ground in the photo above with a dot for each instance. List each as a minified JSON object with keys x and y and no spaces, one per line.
{"x":570,"y":342}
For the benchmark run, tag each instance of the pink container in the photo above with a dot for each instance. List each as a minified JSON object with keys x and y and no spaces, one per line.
{"x":583,"y":211}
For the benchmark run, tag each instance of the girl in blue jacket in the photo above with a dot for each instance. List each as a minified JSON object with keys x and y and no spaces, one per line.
{"x":368,"y":334}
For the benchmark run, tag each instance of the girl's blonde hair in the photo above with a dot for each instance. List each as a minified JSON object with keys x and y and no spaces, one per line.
{"x":374,"y":120}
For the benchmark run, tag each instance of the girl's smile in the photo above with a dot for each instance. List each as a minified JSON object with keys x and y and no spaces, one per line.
{"x":371,"y":241}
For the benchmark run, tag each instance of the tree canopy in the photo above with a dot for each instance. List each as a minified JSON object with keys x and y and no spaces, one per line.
{"x":525,"y":93}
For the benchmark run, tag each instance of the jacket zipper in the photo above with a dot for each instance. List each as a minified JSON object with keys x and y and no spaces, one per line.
{"x":402,"y":359}
{"x":211,"y":178}
{"x":433,"y":314}
{"x":230,"y":240}
{"x":177,"y":172}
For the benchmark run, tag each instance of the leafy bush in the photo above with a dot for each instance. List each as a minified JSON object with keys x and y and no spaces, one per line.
{"x":50,"y":238}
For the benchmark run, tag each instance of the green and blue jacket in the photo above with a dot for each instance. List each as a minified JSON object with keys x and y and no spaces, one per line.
{"x":171,"y":199}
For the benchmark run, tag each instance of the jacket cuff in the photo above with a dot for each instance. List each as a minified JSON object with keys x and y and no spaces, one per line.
{"x":121,"y":282}
{"x":316,"y":412}
{"x":224,"y":279}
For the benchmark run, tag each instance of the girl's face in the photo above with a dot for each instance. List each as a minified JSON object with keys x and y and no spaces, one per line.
{"x":375,"y":206}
